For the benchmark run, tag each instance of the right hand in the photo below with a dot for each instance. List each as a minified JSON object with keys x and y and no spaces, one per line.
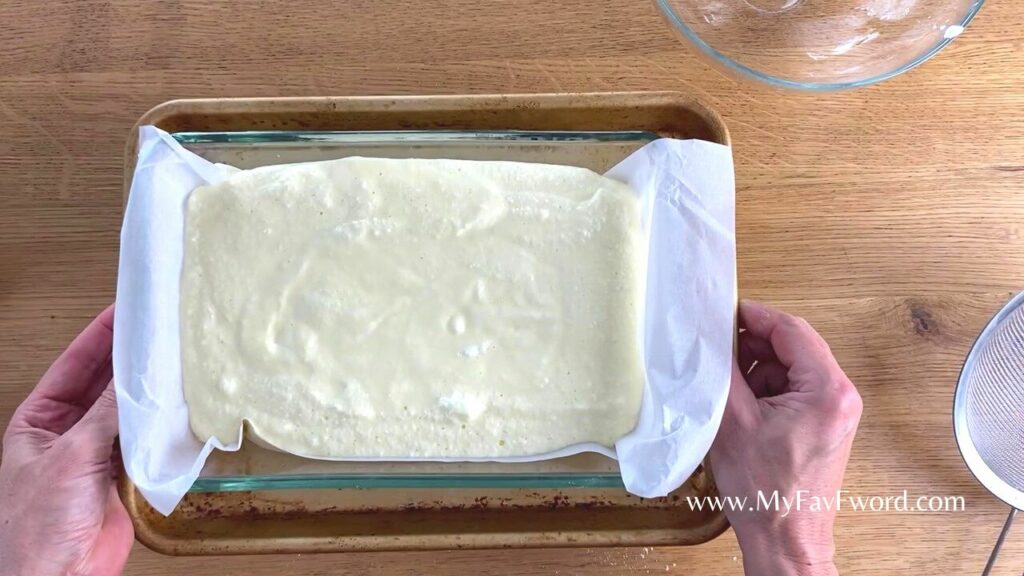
{"x":788,"y":426}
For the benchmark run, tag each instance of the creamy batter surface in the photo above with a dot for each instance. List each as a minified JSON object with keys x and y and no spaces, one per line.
{"x":413,"y":308}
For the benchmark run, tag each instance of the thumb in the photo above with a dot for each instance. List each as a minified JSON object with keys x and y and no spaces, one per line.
{"x":93,"y":436}
{"x":741,"y":407}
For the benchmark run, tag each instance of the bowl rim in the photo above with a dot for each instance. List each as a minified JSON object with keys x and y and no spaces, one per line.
{"x":732,"y":65}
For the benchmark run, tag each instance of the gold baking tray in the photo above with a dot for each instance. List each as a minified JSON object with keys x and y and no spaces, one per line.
{"x":404,"y":517}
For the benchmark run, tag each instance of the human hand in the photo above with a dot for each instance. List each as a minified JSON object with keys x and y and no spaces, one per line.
{"x":788,"y":426}
{"x":59,"y":508}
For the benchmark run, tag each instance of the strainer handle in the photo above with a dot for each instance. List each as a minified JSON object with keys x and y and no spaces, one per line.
{"x":999,"y":543}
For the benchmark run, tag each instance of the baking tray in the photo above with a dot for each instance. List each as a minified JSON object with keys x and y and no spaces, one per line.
{"x":392,"y":513}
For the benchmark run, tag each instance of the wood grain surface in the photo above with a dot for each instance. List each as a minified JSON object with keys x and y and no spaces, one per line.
{"x":889,"y":216}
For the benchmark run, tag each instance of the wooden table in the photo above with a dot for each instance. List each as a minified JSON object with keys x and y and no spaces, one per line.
{"x":891,"y":217}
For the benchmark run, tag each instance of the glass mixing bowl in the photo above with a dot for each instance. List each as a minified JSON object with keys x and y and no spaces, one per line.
{"x":819,"y":44}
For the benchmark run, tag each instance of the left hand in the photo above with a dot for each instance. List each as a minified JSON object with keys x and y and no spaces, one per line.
{"x":59,"y":508}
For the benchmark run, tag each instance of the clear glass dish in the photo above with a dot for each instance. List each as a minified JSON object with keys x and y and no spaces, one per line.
{"x":257,"y":468}
{"x":818,"y":44}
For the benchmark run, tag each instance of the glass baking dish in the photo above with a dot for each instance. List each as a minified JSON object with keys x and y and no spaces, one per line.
{"x":257,"y":468}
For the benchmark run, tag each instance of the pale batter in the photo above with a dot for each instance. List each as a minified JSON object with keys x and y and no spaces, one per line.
{"x":413,"y":308}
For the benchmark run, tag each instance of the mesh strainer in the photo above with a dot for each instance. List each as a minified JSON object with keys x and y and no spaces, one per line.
{"x":988,"y":411}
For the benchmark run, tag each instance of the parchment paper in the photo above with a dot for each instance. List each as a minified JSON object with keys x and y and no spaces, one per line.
{"x":686,"y":189}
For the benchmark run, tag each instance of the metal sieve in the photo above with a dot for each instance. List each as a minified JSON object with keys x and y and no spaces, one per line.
{"x":988,"y":411}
